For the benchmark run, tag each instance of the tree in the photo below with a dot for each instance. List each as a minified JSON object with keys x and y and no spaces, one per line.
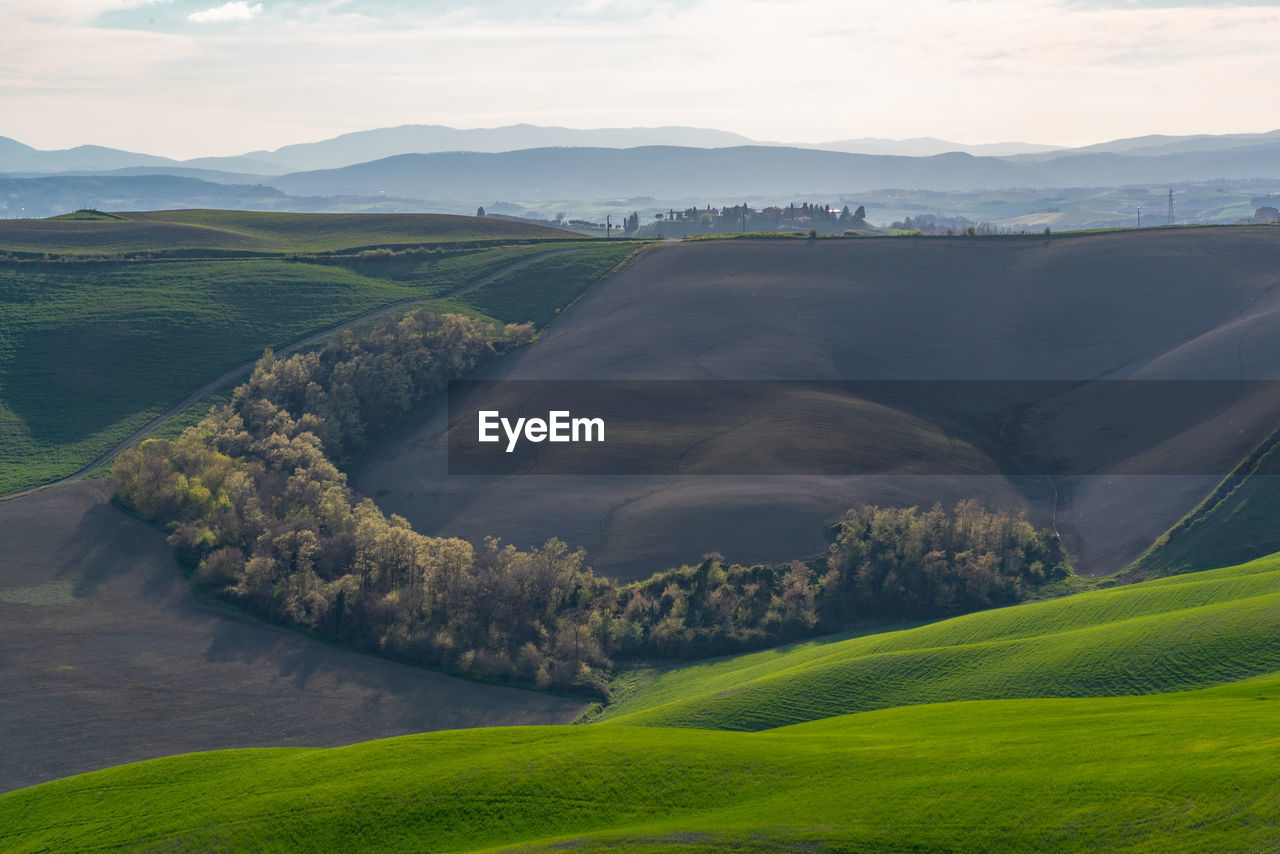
{"x":860,"y":213}
{"x":480,"y":211}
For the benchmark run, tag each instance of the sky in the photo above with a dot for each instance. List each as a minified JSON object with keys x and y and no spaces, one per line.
{"x":189,"y":78}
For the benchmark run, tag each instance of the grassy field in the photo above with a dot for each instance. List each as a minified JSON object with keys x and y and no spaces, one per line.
{"x":1056,"y":767}
{"x":1165,"y":635}
{"x":1183,"y":772}
{"x":253,"y":232}
{"x":537,"y":293}
{"x":1237,"y":522}
{"x":91,"y":352}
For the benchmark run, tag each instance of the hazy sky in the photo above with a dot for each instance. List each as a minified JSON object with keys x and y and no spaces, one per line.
{"x":193,"y":77}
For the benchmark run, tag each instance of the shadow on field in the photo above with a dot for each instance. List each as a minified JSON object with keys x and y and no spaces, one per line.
{"x":1195,"y":305}
{"x":106,"y":658}
{"x":99,"y":550}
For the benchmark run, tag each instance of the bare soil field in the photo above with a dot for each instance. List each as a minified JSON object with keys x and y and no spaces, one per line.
{"x":1194,"y":304}
{"x":107,"y":658}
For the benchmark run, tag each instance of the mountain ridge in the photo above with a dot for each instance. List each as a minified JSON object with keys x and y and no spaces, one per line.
{"x":376,"y":143}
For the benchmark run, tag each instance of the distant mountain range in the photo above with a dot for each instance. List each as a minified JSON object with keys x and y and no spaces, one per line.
{"x":678,"y":173}
{"x":925,"y":146}
{"x":435,"y":167}
{"x":1158,"y":145}
{"x":667,"y":172}
{"x":364,"y":146}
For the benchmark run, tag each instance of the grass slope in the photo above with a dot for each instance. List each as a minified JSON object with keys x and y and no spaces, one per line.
{"x":1166,"y":635}
{"x":91,"y":352}
{"x":1235,"y":523}
{"x":253,"y":231}
{"x":1181,"y":772}
{"x":538,"y":292}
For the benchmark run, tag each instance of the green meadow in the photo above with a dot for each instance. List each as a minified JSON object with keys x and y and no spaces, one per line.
{"x":1236,"y":522}
{"x":1162,"y":770}
{"x":91,"y":351}
{"x":1167,"y":635}
{"x":253,"y":232}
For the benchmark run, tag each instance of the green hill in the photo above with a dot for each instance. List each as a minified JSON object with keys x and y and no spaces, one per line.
{"x":1238,"y":521}
{"x":1166,"y":635}
{"x":208,"y":231}
{"x":1173,"y":770}
{"x":92,"y":351}
{"x":1180,"y":772}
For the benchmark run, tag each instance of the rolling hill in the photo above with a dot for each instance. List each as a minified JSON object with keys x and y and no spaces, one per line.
{"x":1155,"y":305}
{"x":108,"y":658}
{"x":1131,"y":718}
{"x":90,"y":351}
{"x":1235,"y":522}
{"x":1173,"y":634}
{"x":1183,"y":771}
{"x":191,"y":230}
{"x":167,"y":673}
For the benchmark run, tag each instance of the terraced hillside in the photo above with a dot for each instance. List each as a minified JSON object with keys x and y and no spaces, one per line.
{"x":1172,"y":634}
{"x":1191,"y":304}
{"x":1182,"y":771}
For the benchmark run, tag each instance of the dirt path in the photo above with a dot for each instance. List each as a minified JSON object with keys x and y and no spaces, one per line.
{"x":243,"y":370}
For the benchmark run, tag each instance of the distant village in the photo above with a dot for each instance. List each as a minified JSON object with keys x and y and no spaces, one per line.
{"x":689,"y":222}
{"x":822,"y":219}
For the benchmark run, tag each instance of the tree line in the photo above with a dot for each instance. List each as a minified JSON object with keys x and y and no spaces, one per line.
{"x":256,"y":506}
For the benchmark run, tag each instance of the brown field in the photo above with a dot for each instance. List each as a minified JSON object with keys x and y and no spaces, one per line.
{"x":1170,"y":304}
{"x":106,"y":658}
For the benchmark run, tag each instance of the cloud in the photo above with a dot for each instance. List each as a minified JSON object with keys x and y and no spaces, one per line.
{"x":66,"y":12}
{"x":235,"y":10}
{"x":1054,"y":71}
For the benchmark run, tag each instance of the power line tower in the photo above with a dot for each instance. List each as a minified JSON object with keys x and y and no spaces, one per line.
{"x":1170,"y":206}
